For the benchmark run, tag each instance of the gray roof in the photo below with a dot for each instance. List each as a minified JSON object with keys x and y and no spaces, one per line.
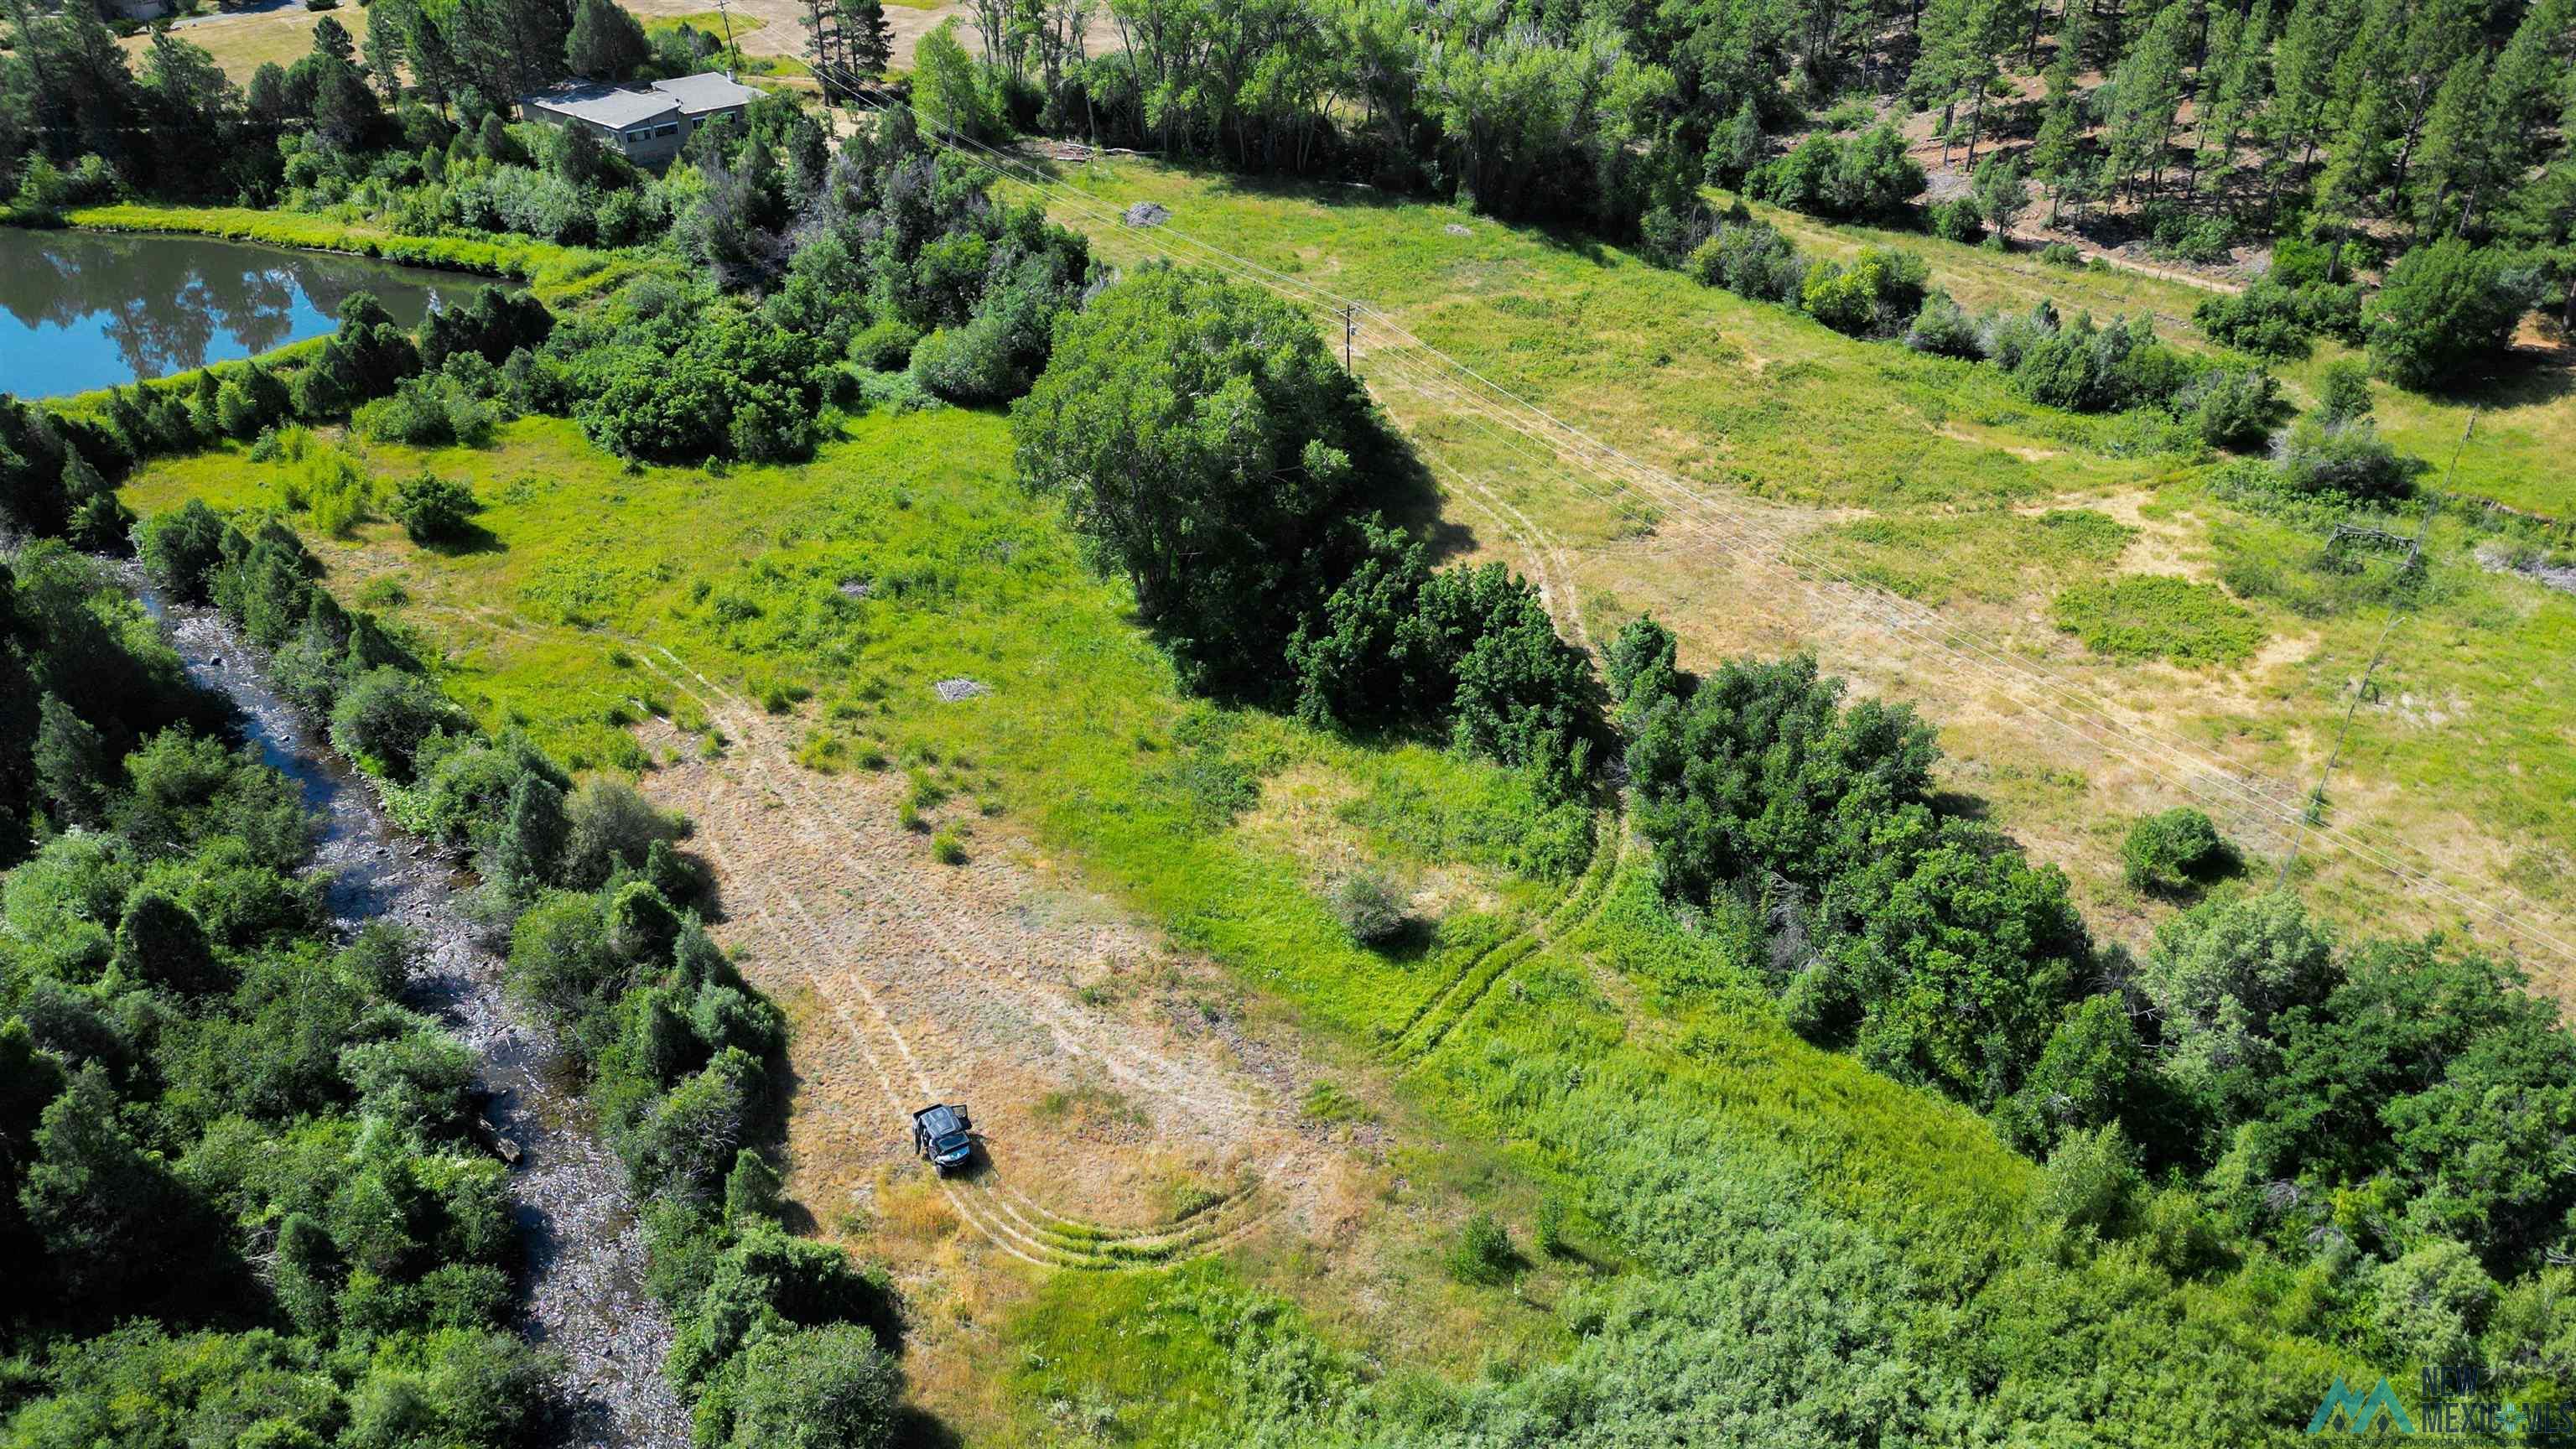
{"x":611,"y":106}
{"x":706,"y":91}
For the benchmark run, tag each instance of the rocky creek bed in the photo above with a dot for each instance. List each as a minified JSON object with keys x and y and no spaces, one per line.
{"x":583,"y":1272}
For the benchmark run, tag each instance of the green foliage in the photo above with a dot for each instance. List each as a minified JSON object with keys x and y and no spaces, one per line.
{"x":949,"y":92}
{"x":817,"y":1388}
{"x":1370,"y":908}
{"x":2157,"y":616}
{"x":1484,"y":1254}
{"x":2092,"y":1184}
{"x":2341,"y":461}
{"x":1202,"y":440}
{"x":1876,"y":296}
{"x":2271,"y":318}
{"x":606,"y":43}
{"x":2444,"y":313}
{"x":386,"y":715}
{"x":2171,"y":852}
{"x":180,"y":549}
{"x":433,"y":510}
{"x":1867,"y":176}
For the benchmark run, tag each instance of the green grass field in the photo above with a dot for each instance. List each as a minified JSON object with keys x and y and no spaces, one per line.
{"x":1624,"y":1050}
{"x":1623,"y":1079}
{"x":241,"y":44}
{"x":1929,"y":477}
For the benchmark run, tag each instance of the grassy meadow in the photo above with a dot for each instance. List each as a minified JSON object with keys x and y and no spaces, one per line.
{"x":1673,"y":1166}
{"x":1930,"y":477}
{"x":1622,"y":1049}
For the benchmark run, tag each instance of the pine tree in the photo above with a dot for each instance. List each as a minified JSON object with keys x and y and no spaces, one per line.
{"x":2452,"y":164}
{"x":823,"y":43}
{"x":2303,"y":66}
{"x":2235,"y":74}
{"x":2056,"y":156}
{"x":331,"y":38}
{"x":102,"y":1208}
{"x":867,"y":37}
{"x":527,"y":850}
{"x":2526,"y":88}
{"x":2146,"y":91}
{"x":606,"y":43}
{"x":71,"y":765}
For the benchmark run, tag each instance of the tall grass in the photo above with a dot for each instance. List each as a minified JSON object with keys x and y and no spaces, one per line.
{"x":556,"y":273}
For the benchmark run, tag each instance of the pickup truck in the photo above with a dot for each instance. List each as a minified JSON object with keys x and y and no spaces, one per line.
{"x":939,"y":1135}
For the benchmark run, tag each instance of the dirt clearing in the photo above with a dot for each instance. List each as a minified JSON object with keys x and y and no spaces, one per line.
{"x":1120,"y":1121}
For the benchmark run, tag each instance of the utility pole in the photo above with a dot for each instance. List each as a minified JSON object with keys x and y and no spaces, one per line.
{"x":2414,"y":559}
{"x":727,"y":16}
{"x":1350,"y":325}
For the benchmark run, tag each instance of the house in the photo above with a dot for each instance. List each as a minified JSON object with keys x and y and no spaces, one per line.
{"x":649,"y":123}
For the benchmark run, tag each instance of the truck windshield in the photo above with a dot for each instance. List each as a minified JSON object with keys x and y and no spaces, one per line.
{"x":952,"y":1141}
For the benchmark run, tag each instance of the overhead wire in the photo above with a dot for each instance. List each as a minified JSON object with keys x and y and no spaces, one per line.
{"x":2206,"y":778}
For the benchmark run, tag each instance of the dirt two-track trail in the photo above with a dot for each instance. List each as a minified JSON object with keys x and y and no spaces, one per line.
{"x":994,"y":984}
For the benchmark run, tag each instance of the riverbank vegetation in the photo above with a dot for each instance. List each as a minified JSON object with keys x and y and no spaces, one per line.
{"x":239,"y":1178}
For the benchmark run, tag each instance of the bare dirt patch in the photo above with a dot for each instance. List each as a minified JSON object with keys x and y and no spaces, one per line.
{"x":1115,"y":1127}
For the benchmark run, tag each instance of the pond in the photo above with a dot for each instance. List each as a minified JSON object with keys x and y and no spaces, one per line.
{"x":82,"y":310}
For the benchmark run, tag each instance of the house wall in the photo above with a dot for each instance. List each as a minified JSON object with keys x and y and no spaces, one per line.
{"x":651,"y":143}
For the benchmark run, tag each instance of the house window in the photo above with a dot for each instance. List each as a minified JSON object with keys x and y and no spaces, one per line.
{"x":672,"y":129}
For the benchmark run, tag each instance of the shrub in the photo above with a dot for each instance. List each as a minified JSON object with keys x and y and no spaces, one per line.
{"x":428,"y":411}
{"x":1868,"y":176}
{"x":250,"y":400}
{"x":831,"y":1387}
{"x":181,"y":548}
{"x":1944,"y":329}
{"x":386,"y":714}
{"x":433,"y":510}
{"x":2344,"y":392}
{"x":970,"y":364}
{"x":612,"y":827}
{"x":1370,"y":908}
{"x":1877,"y":295}
{"x":2232,"y":407}
{"x":884,"y":345}
{"x":1484,"y":1254}
{"x":2091,"y":1184}
{"x":2170,"y":852}
{"x":1750,"y":259}
{"x":2062,"y":254}
{"x":2347,"y":460}
{"x":1960,"y":220}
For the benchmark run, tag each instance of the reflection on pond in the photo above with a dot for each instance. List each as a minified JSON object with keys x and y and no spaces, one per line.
{"x":82,"y":310}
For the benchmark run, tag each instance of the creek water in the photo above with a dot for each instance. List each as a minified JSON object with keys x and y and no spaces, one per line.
{"x":85,"y":309}
{"x":583,"y":1244}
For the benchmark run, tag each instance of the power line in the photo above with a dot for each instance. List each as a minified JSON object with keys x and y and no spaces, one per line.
{"x":2414,"y":559}
{"x":2144,"y":743}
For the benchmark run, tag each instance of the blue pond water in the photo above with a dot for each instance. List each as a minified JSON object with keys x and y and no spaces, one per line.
{"x":82,"y":310}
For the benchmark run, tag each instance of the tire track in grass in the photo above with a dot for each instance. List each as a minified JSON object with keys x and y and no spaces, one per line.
{"x":1454,"y":1003}
{"x":998,"y":1211}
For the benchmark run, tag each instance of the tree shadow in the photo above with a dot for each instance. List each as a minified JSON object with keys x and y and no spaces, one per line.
{"x":2522,"y":377}
{"x":468,"y":539}
{"x":917,"y":1428}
